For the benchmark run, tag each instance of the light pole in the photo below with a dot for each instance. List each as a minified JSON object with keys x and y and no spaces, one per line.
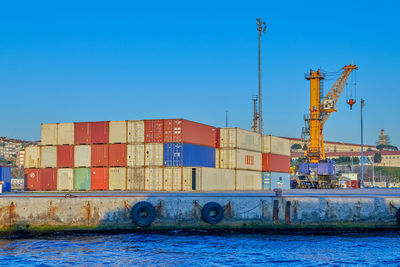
{"x":362,"y":144}
{"x":261,"y":27}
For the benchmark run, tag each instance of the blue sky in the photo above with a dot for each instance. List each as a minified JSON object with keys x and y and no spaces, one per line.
{"x":65,"y":61}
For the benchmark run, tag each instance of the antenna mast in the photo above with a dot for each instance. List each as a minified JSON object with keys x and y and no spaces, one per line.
{"x":261,"y":27}
{"x":254,"y":126}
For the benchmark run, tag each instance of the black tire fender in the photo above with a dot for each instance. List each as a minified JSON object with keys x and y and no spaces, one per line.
{"x":212,"y":213}
{"x":143,"y":213}
{"x":398,"y":215}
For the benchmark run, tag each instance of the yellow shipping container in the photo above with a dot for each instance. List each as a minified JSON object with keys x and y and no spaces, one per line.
{"x":117,"y":178}
{"x":154,"y":179}
{"x":49,"y":134}
{"x":154,"y":155}
{"x":275,"y":145}
{"x":32,"y":157}
{"x":173,"y":179}
{"x":65,"y":179}
{"x":211,"y":179}
{"x":82,"y":156}
{"x":240,"y":139}
{"x":248,"y":180}
{"x":135,"y":132}
{"x":135,"y":179}
{"x":240,"y":159}
{"x":117,"y":132}
{"x":48,"y":158}
{"x":65,"y":134}
{"x":135,"y":155}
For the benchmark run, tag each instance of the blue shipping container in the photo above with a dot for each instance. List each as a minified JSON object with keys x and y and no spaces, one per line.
{"x":5,"y":177}
{"x":266,"y":180}
{"x":188,"y":155}
{"x":272,"y":180}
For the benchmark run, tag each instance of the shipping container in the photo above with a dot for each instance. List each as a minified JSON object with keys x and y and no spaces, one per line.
{"x":217,"y":158}
{"x":82,"y":133}
{"x":17,"y":184}
{"x":118,"y":132}
{"x":49,"y":134}
{"x":99,"y":155}
{"x":48,"y":179}
{"x":32,"y":157}
{"x":184,"y":131}
{"x":211,"y":179}
{"x":65,"y":179}
{"x":65,"y":134}
{"x":153,"y":156}
{"x":275,"y":145}
{"x":218,"y":137}
{"x":188,"y":155}
{"x":154,"y":179}
{"x":173,"y":178}
{"x":135,"y":155}
{"x":135,"y":179}
{"x":5,"y":177}
{"x":273,"y":180}
{"x":239,"y":159}
{"x":48,"y":157}
{"x":117,"y":155}
{"x":32,"y":179}
{"x":135,"y":132}
{"x":275,"y":163}
{"x":99,"y":179}
{"x":239,"y":139}
{"x":117,"y":178}
{"x":153,"y":131}
{"x":248,"y":180}
{"x":82,"y":179}
{"x":266,"y":181}
{"x":82,"y":156}
{"x":65,"y":156}
{"x":99,"y":132}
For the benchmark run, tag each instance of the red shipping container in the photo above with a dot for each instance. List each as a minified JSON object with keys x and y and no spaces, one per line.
{"x":65,"y":156}
{"x":117,"y":155}
{"x":32,"y":179}
{"x":48,"y":179}
{"x":99,"y":156}
{"x":354,"y":184}
{"x":189,"y":132}
{"x":99,"y":179}
{"x":153,"y":131}
{"x":99,"y":132}
{"x":275,"y":163}
{"x":82,"y":133}
{"x":218,"y":135}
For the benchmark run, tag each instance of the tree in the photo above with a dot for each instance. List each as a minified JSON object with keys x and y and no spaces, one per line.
{"x":296,"y":147}
{"x":377,"y":158}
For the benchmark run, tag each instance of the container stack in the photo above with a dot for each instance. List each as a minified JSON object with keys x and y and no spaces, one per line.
{"x":275,"y":162}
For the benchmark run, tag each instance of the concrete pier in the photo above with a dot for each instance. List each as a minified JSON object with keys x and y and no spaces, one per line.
{"x":296,"y":209}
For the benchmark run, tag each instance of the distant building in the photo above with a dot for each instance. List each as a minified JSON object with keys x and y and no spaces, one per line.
{"x":383,"y":139}
{"x":20,"y":160}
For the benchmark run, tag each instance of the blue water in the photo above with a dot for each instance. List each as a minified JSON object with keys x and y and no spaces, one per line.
{"x":200,"y":249}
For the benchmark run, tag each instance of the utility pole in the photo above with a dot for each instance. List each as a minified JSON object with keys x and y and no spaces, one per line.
{"x":261,"y":27}
{"x":254,"y":126}
{"x":362,"y":144}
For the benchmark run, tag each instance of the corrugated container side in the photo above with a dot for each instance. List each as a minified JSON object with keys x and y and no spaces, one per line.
{"x":154,"y":155}
{"x":5,"y":177}
{"x":135,"y":132}
{"x":49,"y":134}
{"x":82,"y":179}
{"x":189,"y":182}
{"x":248,"y":180}
{"x":117,"y":155}
{"x":275,"y":145}
{"x":48,"y":179}
{"x":82,"y":156}
{"x":99,"y":155}
{"x":218,"y":137}
{"x":48,"y":157}
{"x":117,"y":178}
{"x":173,"y":179}
{"x":216,"y":179}
{"x":99,"y":179}
{"x":82,"y":133}
{"x":135,"y":179}
{"x":32,"y":157}
{"x":275,"y":163}
{"x":99,"y":132}
{"x":65,"y":134}
{"x":240,"y":139}
{"x":280,"y":180}
{"x":32,"y":179}
{"x":240,"y":159}
{"x":153,"y":131}
{"x":118,"y":132}
{"x":217,"y":158}
{"x":135,"y":155}
{"x":65,"y":179}
{"x":188,"y":155}
{"x":153,"y":179}
{"x":65,"y":156}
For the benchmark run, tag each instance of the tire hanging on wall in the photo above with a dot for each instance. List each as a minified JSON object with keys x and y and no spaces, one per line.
{"x":143,"y":213}
{"x":212,"y":213}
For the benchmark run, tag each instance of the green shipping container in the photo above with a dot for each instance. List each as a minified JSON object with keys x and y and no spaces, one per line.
{"x":82,"y":179}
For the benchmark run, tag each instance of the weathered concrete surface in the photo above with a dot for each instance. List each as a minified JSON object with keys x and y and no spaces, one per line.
{"x":43,"y":212}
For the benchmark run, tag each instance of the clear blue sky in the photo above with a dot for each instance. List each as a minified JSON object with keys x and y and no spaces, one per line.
{"x":65,"y":61}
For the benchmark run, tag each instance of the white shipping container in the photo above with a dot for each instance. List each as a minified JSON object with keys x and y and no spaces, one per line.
{"x":240,"y":159}
{"x":154,"y":154}
{"x":135,"y":132}
{"x":65,"y":134}
{"x":135,"y":179}
{"x":117,"y":132}
{"x":248,"y":180}
{"x":211,"y":179}
{"x":135,"y":155}
{"x":32,"y":157}
{"x":49,"y":134}
{"x":173,"y":179}
{"x":82,"y":155}
{"x":65,"y":179}
{"x":48,"y":157}
{"x":117,"y":178}
{"x":275,"y":145}
{"x":240,"y":139}
{"x":154,"y":179}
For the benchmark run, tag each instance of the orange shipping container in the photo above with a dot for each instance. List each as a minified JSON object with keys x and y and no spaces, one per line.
{"x":117,"y":155}
{"x":275,"y":163}
{"x":82,"y":133}
{"x":48,"y":179}
{"x":99,"y":156}
{"x":32,"y":179}
{"x":100,"y":179}
{"x":99,"y":132}
{"x":65,"y":156}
